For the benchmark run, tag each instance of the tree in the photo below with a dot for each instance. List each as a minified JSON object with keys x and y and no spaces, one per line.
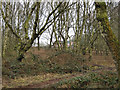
{"x":108,"y":35}
{"x":0,"y":36}
{"x":24,"y":45}
{"x":29,"y":19}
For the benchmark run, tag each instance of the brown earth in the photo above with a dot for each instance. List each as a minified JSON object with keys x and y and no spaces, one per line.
{"x":51,"y":82}
{"x":105,"y":62}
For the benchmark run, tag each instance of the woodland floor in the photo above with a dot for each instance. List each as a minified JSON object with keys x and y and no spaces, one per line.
{"x":50,"y":82}
{"x":99,"y":64}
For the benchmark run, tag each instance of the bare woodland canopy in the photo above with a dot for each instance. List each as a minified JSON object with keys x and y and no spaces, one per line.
{"x":95,"y":25}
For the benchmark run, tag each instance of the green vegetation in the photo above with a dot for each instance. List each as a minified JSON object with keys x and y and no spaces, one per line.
{"x":35,"y":66}
{"x":90,"y":80}
{"x":81,"y":48}
{"x":57,"y":65}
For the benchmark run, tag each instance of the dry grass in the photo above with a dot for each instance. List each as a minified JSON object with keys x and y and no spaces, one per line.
{"x":101,"y":60}
{"x":32,"y":80}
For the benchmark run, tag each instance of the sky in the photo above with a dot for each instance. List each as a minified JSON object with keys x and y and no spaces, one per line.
{"x":45,"y":38}
{"x":55,"y":0}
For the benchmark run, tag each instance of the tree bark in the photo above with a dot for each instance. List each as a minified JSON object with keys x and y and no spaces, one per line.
{"x":51,"y":37}
{"x":108,"y":35}
{"x":119,"y":42}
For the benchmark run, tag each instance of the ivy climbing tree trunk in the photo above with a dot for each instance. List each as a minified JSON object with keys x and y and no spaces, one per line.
{"x":108,"y":35}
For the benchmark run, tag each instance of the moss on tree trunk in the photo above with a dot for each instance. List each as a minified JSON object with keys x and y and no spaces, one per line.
{"x":108,"y":35}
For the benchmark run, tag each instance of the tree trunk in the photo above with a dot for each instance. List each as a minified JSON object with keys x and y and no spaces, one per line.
{"x":38,"y":43}
{"x":108,"y":35}
{"x":119,"y":42}
{"x":0,"y":44}
{"x":51,"y":37}
{"x":25,"y":47}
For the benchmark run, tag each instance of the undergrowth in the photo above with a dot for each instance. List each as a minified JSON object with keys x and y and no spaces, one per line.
{"x":59,"y":62}
{"x":90,"y":80}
